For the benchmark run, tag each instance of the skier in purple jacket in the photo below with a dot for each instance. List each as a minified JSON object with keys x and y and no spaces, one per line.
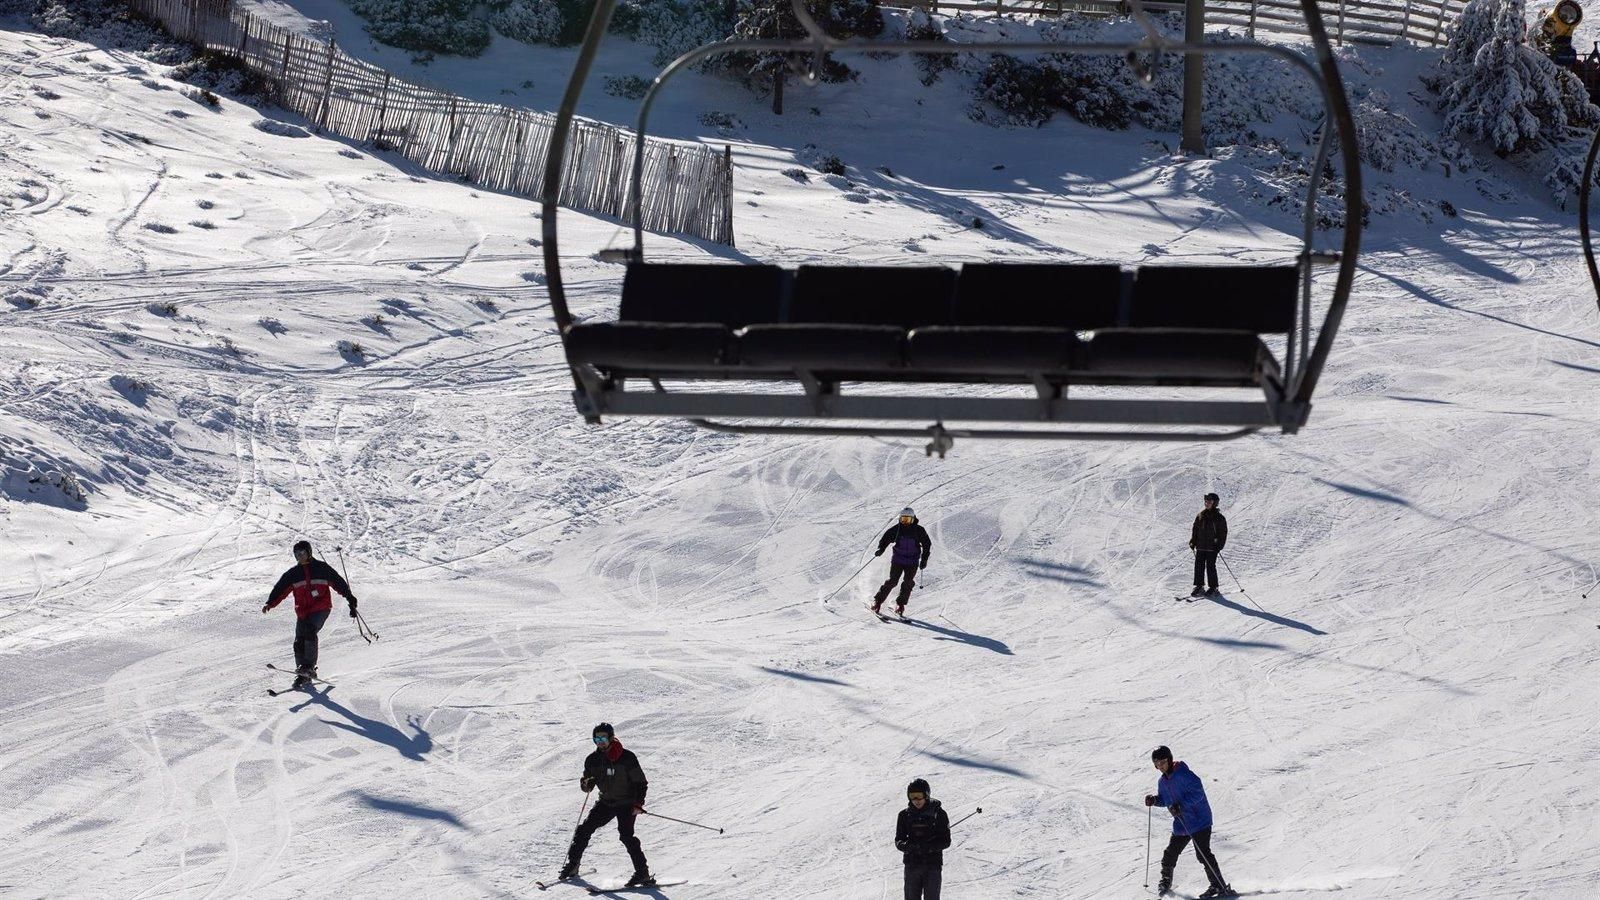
{"x":911,"y":547}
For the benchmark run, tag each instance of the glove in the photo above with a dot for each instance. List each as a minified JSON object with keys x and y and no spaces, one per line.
{"x":879,"y":553}
{"x":638,"y":809}
{"x":586,"y":783}
{"x":1191,"y":545}
{"x":1149,"y":799}
{"x":903,"y":846}
{"x":352,"y":602}
{"x":921,"y":566}
{"x":266,"y":607}
{"x":1176,"y":809}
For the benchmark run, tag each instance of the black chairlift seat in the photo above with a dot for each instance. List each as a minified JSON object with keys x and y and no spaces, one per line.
{"x":996,"y":323}
{"x":799,"y":344}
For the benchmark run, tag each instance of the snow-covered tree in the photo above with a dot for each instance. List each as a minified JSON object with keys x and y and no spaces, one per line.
{"x":426,"y":26}
{"x":529,"y":21}
{"x":1498,"y":89}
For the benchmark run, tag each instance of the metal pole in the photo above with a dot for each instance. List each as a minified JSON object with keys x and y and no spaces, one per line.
{"x":1194,"y":32}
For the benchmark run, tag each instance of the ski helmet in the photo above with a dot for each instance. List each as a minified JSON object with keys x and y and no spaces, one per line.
{"x":302,"y":545}
{"x":1160,"y":753}
{"x":918,"y":784}
{"x":908,"y":511}
{"x":1214,"y":499}
{"x":605,"y":729}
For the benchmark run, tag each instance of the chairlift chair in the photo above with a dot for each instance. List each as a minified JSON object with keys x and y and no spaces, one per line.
{"x":770,"y":349}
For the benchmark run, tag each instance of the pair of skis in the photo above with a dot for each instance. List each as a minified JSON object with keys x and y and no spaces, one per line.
{"x":274,"y":693}
{"x":885,"y":617}
{"x":596,"y":890}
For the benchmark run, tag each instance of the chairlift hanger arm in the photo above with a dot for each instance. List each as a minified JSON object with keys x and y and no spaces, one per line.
{"x":1584,"y":190}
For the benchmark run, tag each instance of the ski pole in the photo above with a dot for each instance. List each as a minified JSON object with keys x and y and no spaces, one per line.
{"x":680,"y":821}
{"x":1211,"y":870}
{"x":362,"y":628}
{"x":966,"y":817}
{"x":583,"y":807}
{"x":1235,"y":578}
{"x":848,"y":580}
{"x":1149,"y":818}
{"x":1591,"y":588}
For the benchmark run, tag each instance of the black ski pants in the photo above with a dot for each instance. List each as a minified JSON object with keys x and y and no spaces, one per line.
{"x":923,"y":880}
{"x":1205,"y":563}
{"x":895,"y":572}
{"x":597,"y":818}
{"x":305,"y":639}
{"x":1202,"y":849}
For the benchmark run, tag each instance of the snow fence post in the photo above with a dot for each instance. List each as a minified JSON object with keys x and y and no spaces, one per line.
{"x":1194,"y":32}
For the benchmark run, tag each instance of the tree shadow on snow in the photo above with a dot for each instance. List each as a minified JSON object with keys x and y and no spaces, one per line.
{"x":969,"y":763}
{"x":415,"y":810}
{"x":803,"y":676}
{"x":1267,"y":617}
{"x":411,"y":746}
{"x":1365,"y":493}
{"x":1065,"y":573}
{"x":955,"y":634}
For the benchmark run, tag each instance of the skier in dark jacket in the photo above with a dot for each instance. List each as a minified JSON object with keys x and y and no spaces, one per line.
{"x":1181,"y":792}
{"x":922,"y":834}
{"x":1207,"y":538}
{"x":911,"y":548}
{"x":312,"y":581}
{"x":616,"y":772}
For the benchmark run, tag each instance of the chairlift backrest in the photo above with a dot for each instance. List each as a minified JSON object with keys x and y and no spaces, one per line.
{"x":905,"y":296}
{"x":733,"y":295}
{"x":1077,"y":297}
{"x":1259,"y":299}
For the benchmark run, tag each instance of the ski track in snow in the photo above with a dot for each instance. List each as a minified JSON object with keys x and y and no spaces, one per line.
{"x":1390,"y":706}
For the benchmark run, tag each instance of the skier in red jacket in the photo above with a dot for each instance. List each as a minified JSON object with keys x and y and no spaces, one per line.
{"x":310,"y":579}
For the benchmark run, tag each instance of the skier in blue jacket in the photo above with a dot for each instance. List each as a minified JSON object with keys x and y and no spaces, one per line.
{"x":911,"y":547}
{"x":1181,"y":792}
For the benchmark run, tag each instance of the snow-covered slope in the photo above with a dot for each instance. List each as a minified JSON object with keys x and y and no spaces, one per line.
{"x":1397,"y":708}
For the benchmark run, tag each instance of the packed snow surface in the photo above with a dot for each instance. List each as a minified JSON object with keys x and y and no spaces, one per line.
{"x":231,"y":337}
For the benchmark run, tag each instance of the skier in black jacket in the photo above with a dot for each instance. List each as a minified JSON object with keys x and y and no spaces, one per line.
{"x":922,"y":833}
{"x":1207,"y":538}
{"x":911,"y":548}
{"x":616,"y":772}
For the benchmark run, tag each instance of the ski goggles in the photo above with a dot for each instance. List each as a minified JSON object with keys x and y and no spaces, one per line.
{"x":601,"y":739}
{"x":916,"y":795}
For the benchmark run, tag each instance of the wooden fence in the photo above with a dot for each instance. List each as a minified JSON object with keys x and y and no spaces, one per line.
{"x":687,"y":188}
{"x":1348,"y":21}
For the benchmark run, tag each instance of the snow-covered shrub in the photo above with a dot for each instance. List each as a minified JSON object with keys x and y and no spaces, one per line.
{"x":529,"y":21}
{"x":211,"y":74}
{"x":1495,"y":88}
{"x":1025,"y":92}
{"x":426,"y":26}
{"x":921,"y":27}
{"x":108,"y":24}
{"x":628,"y":87}
{"x":351,"y":350}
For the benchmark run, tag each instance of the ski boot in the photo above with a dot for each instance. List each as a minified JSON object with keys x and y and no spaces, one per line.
{"x":570,"y":870}
{"x":641,"y":879}
{"x":1223,"y":891}
{"x":1164,"y":889}
{"x":877,"y":607}
{"x":1198,"y":591}
{"x":1211,"y":592}
{"x":900,"y":610}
